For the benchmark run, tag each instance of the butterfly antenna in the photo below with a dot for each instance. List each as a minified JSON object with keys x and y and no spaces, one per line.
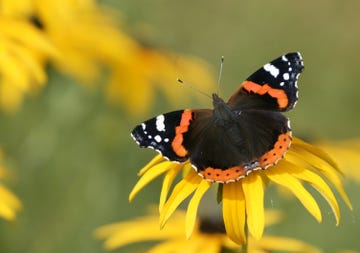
{"x":220,"y":74}
{"x":192,"y":87}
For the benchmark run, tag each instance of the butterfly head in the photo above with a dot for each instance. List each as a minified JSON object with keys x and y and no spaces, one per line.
{"x":223,"y":113}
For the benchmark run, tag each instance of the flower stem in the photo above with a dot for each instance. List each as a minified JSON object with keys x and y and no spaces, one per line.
{"x":244,"y":248}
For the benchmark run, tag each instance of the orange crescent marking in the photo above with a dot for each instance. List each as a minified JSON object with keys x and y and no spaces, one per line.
{"x":223,"y":176}
{"x":237,"y":172}
{"x":183,"y":127}
{"x":280,"y":147}
{"x":279,"y":94}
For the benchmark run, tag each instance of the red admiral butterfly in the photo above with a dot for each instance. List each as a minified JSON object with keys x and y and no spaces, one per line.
{"x":247,"y":133}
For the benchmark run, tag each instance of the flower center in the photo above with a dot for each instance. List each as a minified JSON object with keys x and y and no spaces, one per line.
{"x":211,"y":226}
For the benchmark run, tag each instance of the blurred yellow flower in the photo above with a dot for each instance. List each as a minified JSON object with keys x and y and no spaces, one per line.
{"x":22,"y":51}
{"x":82,"y":39}
{"x":9,"y":203}
{"x":243,"y":201}
{"x":209,"y":236}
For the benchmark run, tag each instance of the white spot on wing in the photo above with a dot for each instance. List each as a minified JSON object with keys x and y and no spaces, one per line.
{"x":143,"y":126}
{"x":284,"y":58}
{"x":158,"y":138}
{"x":282,"y":84}
{"x":286,"y":76}
{"x":274,"y":71}
{"x":166,"y":140}
{"x":160,"y":126}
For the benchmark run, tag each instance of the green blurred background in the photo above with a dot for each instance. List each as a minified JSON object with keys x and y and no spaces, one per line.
{"x":72,"y":155}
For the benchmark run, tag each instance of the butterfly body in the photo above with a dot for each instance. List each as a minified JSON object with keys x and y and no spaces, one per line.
{"x":246,"y":133}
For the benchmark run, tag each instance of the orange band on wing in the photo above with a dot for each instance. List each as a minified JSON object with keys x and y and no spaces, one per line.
{"x":280,"y":147}
{"x":223,"y":176}
{"x":279,"y":94}
{"x":183,"y":127}
{"x":237,"y":172}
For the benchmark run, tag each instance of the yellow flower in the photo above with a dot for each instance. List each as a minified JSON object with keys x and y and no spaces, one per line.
{"x":89,"y":37}
{"x":147,"y":71}
{"x":22,"y":51}
{"x":9,"y":203}
{"x":243,"y":201}
{"x":82,"y":38}
{"x":209,"y":236}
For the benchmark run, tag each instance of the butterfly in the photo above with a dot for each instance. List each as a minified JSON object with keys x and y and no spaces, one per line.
{"x":248,"y":132}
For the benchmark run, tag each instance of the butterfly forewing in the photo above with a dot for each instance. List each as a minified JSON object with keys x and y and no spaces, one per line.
{"x":160,"y":133}
{"x":272,"y":87}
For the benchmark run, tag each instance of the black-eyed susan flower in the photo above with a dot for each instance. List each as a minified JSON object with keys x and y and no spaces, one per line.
{"x":209,"y":236}
{"x":9,"y":203}
{"x":243,"y":201}
{"x":81,"y":39}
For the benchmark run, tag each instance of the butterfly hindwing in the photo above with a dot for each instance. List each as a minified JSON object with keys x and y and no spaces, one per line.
{"x":272,"y":87}
{"x":239,"y":143}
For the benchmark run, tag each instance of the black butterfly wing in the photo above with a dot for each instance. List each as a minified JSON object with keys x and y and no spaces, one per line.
{"x":226,"y":153}
{"x":164,"y":134}
{"x":272,"y":87}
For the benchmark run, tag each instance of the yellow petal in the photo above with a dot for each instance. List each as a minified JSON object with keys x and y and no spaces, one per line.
{"x":307,"y":161}
{"x":181,"y":191}
{"x":346,"y":155}
{"x":272,"y":216}
{"x":149,"y":176}
{"x":33,"y":65}
{"x":234,"y":212}
{"x":296,"y":142}
{"x":273,"y":243}
{"x":317,"y":182}
{"x":10,"y":96}
{"x":187,"y":169}
{"x":124,"y":233}
{"x":209,"y":244}
{"x":7,"y":212}
{"x":193,"y":207}
{"x":129,"y":94}
{"x":157,"y":159}
{"x":9,"y":203}
{"x":253,"y":188}
{"x":279,"y":176}
{"x":13,"y":70}
{"x":27,"y":34}
{"x":172,"y":246}
{"x":200,"y":244}
{"x":167,"y":182}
